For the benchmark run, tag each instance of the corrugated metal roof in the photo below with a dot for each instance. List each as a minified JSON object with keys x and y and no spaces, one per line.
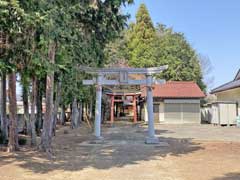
{"x":237,"y":77}
{"x":230,"y":85}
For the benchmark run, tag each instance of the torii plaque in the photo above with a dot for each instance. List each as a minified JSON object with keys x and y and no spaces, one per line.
{"x":124,"y":80}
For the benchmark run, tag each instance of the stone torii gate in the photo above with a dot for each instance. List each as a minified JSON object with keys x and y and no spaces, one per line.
{"x":123,"y":73}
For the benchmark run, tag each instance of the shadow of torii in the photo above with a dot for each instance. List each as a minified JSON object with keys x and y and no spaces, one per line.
{"x":229,"y":176}
{"x":71,"y":154}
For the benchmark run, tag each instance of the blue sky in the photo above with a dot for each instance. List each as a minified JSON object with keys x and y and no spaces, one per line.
{"x":211,"y":26}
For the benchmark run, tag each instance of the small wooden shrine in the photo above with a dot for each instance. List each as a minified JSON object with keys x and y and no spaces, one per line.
{"x":124,"y":103}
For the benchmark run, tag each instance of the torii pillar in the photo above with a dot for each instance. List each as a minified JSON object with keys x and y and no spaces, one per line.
{"x":151,"y":138}
{"x":98,"y":108}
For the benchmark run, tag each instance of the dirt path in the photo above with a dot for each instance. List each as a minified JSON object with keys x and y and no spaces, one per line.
{"x":124,"y":156}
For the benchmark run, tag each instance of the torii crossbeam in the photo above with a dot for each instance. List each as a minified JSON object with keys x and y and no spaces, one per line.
{"x":101,"y":80}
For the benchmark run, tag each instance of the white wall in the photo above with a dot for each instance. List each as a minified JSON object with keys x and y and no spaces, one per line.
{"x":230,"y":95}
{"x":185,"y":119}
{"x":161,"y":112}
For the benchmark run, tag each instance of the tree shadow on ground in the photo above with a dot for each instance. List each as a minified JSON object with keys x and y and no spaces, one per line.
{"x":123,"y":147}
{"x":229,"y":176}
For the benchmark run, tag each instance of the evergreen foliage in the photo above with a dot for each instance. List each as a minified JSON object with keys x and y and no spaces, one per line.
{"x":143,"y":45}
{"x":49,"y":38}
{"x":140,"y":40}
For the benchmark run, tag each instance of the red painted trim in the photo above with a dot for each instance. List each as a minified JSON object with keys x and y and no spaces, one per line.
{"x":134,"y":110}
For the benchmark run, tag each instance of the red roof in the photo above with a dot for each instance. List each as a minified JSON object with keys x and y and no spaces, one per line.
{"x":177,"y":89}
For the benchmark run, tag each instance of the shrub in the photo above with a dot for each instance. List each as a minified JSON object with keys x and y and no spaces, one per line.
{"x":22,"y":141}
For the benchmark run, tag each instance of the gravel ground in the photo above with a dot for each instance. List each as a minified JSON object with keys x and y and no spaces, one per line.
{"x":195,"y":152}
{"x":205,"y":132}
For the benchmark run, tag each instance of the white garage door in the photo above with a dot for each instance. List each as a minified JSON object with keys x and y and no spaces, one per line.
{"x":182,"y":113}
{"x":172,"y":113}
{"x":156,"y":112}
{"x":191,"y":113}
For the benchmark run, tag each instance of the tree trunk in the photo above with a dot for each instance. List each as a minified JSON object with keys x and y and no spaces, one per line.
{"x":26,"y":109}
{"x":80,"y":111}
{"x":84,"y":112}
{"x":1,"y":105}
{"x":13,"y":131}
{"x":56,"y":105}
{"x":63,"y":115}
{"x":39,"y":106}
{"x":3,"y":116}
{"x":46,"y":138}
{"x":33,"y":107}
{"x":74,"y":116}
{"x":91,"y":110}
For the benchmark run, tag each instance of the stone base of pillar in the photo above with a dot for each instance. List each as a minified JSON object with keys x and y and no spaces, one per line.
{"x":97,"y":140}
{"x":135,"y":125}
{"x":162,"y":144}
{"x":152,"y":140}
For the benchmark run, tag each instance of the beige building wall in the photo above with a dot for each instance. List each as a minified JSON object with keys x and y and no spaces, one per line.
{"x":160,"y":114}
{"x":230,"y":95}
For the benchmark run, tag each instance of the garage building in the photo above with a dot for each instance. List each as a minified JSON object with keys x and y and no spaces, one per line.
{"x":176,"y":102}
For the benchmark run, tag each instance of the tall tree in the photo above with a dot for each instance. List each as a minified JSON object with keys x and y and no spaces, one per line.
{"x":116,"y":52}
{"x":33,"y":109}
{"x":46,"y":138}
{"x":173,"y":49}
{"x":27,"y":66}
{"x":43,"y":33}
{"x":140,"y":38}
{"x":13,"y":129}
{"x":25,"y":96}
{"x":142,"y":45}
{"x":56,"y":104}
{"x":91,"y":37}
{"x":39,"y":115}
{"x":11,"y":23}
{"x":3,"y":100}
